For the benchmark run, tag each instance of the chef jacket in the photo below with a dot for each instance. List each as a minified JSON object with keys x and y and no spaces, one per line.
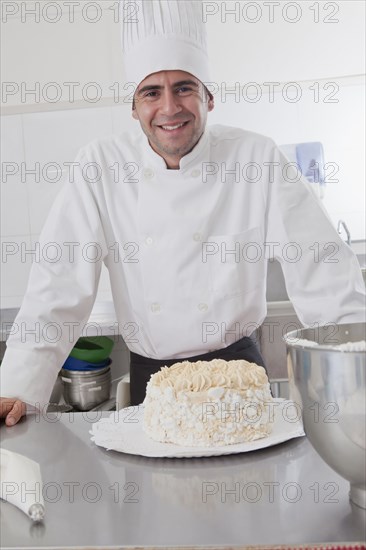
{"x":187,"y":252}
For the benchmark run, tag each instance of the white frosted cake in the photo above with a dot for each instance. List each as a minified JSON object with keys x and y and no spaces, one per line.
{"x":208,"y":403}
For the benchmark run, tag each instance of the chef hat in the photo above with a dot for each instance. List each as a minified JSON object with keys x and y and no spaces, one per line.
{"x":163,"y":35}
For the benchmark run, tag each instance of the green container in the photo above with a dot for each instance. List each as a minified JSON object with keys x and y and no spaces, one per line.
{"x":93,"y":349}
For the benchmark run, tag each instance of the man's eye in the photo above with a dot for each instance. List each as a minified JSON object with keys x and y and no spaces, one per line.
{"x":184,"y":89}
{"x":152,"y":93}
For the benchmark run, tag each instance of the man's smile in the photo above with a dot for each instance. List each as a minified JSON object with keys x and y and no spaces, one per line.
{"x":172,"y":127}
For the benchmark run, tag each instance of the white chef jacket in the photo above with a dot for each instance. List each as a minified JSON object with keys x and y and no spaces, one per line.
{"x":186,"y":251}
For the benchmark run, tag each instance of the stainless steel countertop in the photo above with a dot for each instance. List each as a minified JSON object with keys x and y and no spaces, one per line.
{"x":103,"y":499}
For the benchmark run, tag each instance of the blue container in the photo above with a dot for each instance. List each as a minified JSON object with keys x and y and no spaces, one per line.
{"x":72,"y":363}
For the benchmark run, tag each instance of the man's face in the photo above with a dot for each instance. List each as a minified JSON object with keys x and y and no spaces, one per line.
{"x":172,"y":108}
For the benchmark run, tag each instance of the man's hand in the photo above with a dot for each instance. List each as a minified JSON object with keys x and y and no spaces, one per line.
{"x":12,"y":410}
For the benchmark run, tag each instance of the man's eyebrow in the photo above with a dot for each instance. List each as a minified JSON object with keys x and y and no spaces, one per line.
{"x":152,"y":87}
{"x":148,"y":88}
{"x":185,"y":83}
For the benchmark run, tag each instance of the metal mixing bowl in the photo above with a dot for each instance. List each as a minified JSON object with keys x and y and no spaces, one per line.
{"x":330,"y":387}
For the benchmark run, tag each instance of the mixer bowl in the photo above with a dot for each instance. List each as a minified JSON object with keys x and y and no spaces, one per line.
{"x":329,"y":385}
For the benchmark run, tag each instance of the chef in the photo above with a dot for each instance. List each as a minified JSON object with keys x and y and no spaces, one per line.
{"x":185,"y":217}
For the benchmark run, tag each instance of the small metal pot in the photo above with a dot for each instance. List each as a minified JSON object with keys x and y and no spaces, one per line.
{"x":84,"y":390}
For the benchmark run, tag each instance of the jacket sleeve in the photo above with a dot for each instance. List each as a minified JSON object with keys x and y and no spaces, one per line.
{"x":322,"y":274}
{"x":60,"y":294}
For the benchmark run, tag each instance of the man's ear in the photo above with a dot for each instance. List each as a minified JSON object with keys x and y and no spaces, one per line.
{"x":210,"y":104}
{"x":134,"y":114}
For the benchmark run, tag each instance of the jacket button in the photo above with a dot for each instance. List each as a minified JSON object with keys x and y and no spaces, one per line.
{"x":155,"y":307}
{"x":148,"y":173}
{"x":202,"y":307}
{"x":195,"y":173}
{"x":149,"y":240}
{"x":197,"y":237}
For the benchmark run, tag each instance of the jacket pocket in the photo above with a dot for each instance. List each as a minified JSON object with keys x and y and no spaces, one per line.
{"x":236,"y":262}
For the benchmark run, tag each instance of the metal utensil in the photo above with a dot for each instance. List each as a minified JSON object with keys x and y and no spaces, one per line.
{"x":86,"y":389}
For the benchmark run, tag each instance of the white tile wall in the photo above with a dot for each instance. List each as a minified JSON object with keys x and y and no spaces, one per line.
{"x":14,"y":205}
{"x":15,"y":267}
{"x":278,"y":119}
{"x":122,"y":120}
{"x":40,"y":196}
{"x":57,"y":136}
{"x":276,"y":50}
{"x":65,"y":51}
{"x":46,"y":137}
{"x":340,"y":127}
{"x":12,"y":147}
{"x":15,"y":218}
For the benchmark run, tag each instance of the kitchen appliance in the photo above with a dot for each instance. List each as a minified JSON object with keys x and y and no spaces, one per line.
{"x":327,"y":379}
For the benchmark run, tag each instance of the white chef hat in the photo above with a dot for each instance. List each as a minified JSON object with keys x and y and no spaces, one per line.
{"x":163,"y":35}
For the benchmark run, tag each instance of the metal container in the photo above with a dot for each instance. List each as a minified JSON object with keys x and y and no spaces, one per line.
{"x":85,"y":390}
{"x":330,"y":387}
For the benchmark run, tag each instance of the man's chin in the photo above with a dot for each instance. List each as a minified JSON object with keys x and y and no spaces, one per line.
{"x":170,"y":148}
{"x":180,"y":150}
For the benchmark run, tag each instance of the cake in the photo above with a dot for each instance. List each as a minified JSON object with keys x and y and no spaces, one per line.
{"x":208,"y":403}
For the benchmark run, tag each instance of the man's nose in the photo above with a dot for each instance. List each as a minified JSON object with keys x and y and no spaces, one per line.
{"x":170,"y":104}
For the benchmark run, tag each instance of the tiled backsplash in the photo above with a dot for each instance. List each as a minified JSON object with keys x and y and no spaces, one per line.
{"x":55,"y":137}
{"x":50,"y":139}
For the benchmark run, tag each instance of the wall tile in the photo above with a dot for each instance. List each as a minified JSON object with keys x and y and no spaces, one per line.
{"x":40,"y":198}
{"x":57,"y":136}
{"x":122,"y":120}
{"x":277,"y":119}
{"x":337,"y":126}
{"x":59,"y":52}
{"x":15,"y":267}
{"x":14,"y":208}
{"x":11,"y":139}
{"x":261,"y":48}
